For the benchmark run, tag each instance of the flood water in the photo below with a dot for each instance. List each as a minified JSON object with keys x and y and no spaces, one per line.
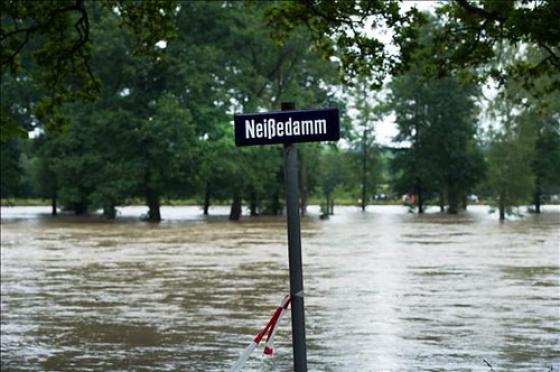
{"x":385,"y":291}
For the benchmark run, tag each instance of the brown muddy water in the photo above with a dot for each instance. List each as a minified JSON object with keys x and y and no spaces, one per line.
{"x":385,"y":291}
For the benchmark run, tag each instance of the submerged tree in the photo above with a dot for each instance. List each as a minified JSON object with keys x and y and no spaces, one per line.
{"x":364,"y":152}
{"x":334,"y":174}
{"x":509,"y":164}
{"x":438,"y":119}
{"x":542,"y":107}
{"x":525,"y":138}
{"x":546,"y":166}
{"x":136,"y":139}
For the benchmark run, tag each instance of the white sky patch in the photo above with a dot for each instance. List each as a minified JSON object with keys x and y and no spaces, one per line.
{"x":162,"y":44}
{"x":386,"y":130}
{"x":490,"y":90}
{"x":425,"y":6}
{"x":124,"y":92}
{"x":35,"y":133}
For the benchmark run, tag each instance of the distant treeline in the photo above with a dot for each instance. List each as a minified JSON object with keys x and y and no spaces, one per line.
{"x":155,"y":121}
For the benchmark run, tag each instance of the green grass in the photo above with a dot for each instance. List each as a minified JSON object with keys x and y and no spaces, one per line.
{"x":347,"y":201}
{"x":344,"y":201}
{"x":25,"y":202}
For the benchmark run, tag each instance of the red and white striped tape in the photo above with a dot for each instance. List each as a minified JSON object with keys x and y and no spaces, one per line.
{"x":268,"y":349}
{"x":272,"y":328}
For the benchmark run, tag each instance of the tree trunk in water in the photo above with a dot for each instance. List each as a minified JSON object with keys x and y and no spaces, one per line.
{"x":152,"y":200}
{"x":453,"y":207}
{"x":206,"y":199}
{"x":302,"y":186}
{"x":363,"y":195}
{"x":80,"y":208}
{"x":502,"y":207}
{"x":420,"y":200}
{"x":109,"y":211}
{"x":253,"y":202}
{"x":364,"y":170}
{"x":54,"y":200}
{"x":235,"y":211}
{"x":452,"y":198}
{"x":464,"y":202}
{"x":325,"y":209}
{"x":275,"y":205}
{"x":441,"y":202}
{"x":538,"y":196}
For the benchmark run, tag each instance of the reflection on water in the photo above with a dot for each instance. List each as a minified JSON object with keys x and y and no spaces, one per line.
{"x":386,"y":290}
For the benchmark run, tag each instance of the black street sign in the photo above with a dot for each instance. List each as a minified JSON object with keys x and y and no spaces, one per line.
{"x":268,"y":128}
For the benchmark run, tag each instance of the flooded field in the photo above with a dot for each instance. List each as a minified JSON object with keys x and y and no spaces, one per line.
{"x":385,"y":291}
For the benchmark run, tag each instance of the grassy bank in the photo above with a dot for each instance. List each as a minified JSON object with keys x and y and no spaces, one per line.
{"x":22,"y":202}
{"x":184,"y":202}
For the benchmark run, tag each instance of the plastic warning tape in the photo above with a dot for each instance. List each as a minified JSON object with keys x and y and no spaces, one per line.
{"x":271,"y":327}
{"x":268,"y":349}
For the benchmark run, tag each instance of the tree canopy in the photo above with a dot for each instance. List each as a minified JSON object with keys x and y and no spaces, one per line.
{"x":468,"y":34}
{"x":53,"y":40}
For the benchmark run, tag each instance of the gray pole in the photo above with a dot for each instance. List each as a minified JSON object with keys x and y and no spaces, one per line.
{"x":294,"y":249}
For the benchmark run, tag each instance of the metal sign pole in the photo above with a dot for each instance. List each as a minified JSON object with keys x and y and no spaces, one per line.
{"x":294,"y":249}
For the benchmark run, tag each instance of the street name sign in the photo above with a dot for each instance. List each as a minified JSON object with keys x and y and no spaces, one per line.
{"x":267,"y":128}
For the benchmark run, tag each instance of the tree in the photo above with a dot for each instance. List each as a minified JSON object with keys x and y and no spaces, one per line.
{"x":511,"y":153}
{"x":363,"y":140}
{"x":437,"y":118}
{"x":474,"y":32}
{"x":11,"y":168}
{"x":346,"y":23}
{"x":258,"y":74}
{"x":216,"y":151}
{"x":56,"y":39}
{"x":542,"y":108}
{"x":44,"y":176}
{"x":333,"y":174}
{"x":546,"y":167}
{"x":19,"y":96}
{"x":412,"y":162}
{"x":165,"y":152}
{"x":525,"y":140}
{"x":227,"y":40}
{"x":137,"y":139}
{"x":509,"y":165}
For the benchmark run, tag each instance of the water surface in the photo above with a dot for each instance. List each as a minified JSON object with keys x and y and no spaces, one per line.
{"x":385,"y":291}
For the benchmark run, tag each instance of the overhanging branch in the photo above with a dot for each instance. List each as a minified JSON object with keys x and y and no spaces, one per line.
{"x":479,"y":12}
